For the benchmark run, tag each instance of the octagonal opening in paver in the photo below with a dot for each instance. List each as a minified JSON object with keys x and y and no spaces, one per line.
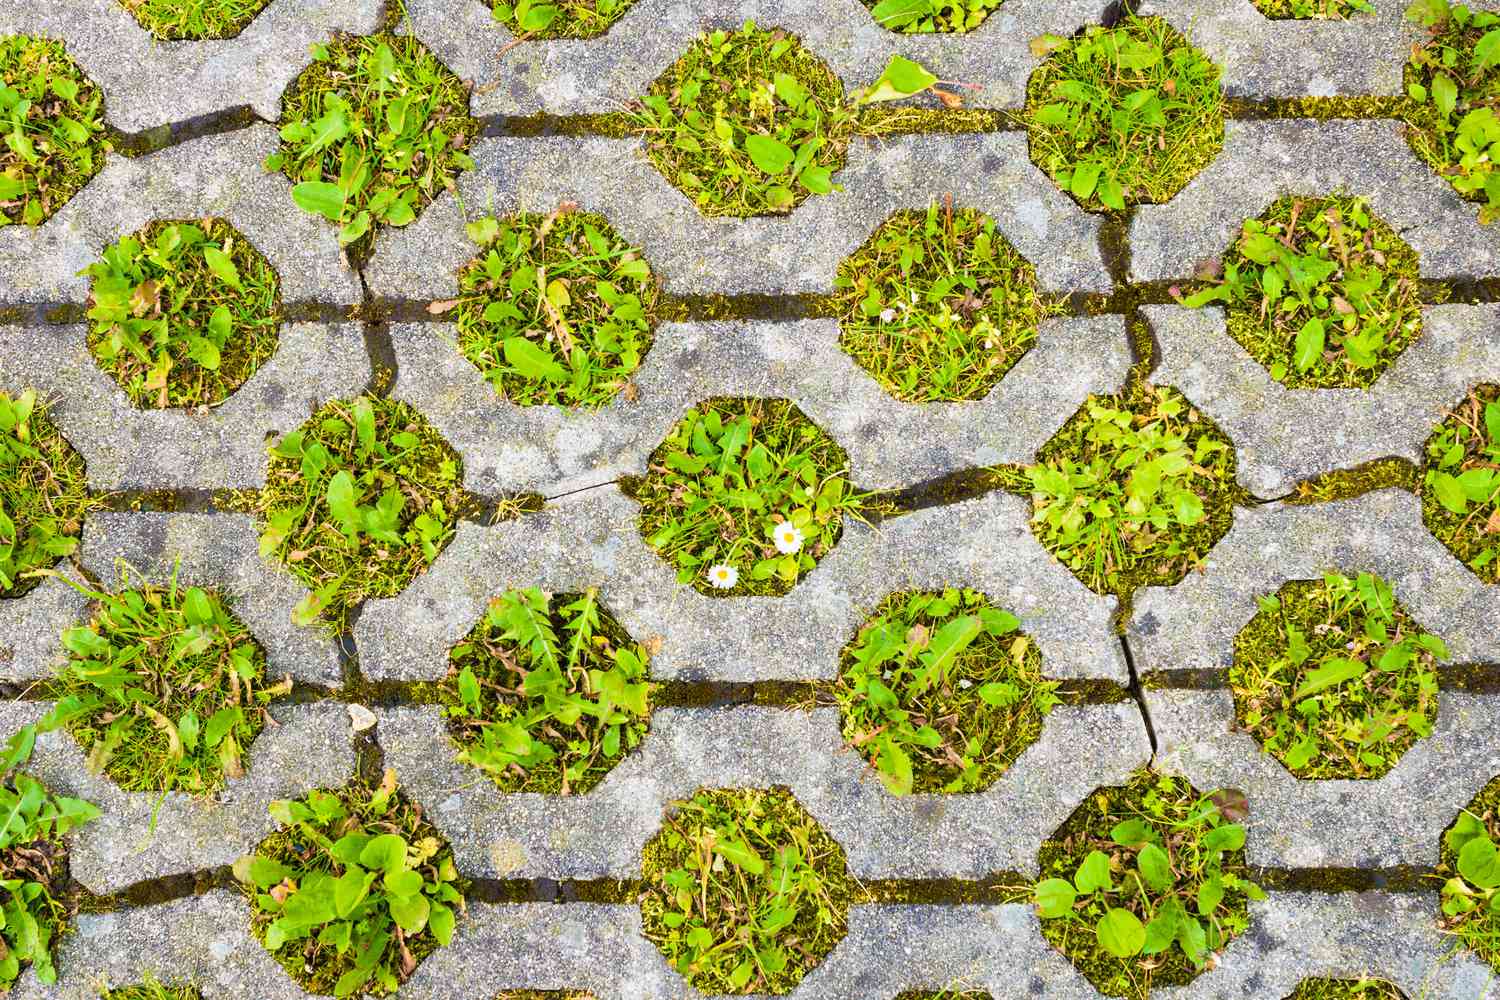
{"x":938,"y":305}
{"x":169,"y":687}
{"x":743,"y":891}
{"x":1455,"y":84}
{"x":182,"y":313}
{"x":547,"y":692}
{"x":359,"y":500}
{"x":53,"y":117}
{"x":1124,"y":115}
{"x":371,"y":132}
{"x":941,"y":691}
{"x":43,"y":493}
{"x":1319,"y":10}
{"x":927,"y":16}
{"x":1326,"y":988}
{"x":153,"y":989}
{"x":556,"y":309}
{"x":1320,"y":291}
{"x":1461,"y":482}
{"x":1334,"y":679}
{"x":1133,"y":490}
{"x":354,"y":890}
{"x":1470,"y":862}
{"x":745,"y":496}
{"x":544,"y":19}
{"x":1145,"y":883}
{"x":747,"y":123}
{"x":194,"y":20}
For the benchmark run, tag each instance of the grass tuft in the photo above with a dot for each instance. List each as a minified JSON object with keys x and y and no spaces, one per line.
{"x":53,"y":117}
{"x":151,"y":989}
{"x":1470,"y":910}
{"x":194,"y":20}
{"x":927,"y":16}
{"x":43,"y":493}
{"x":558,"y":18}
{"x":1323,"y":988}
{"x":1325,"y":10}
{"x":1461,"y":482}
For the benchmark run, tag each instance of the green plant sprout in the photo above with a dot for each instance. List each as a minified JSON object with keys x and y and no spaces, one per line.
{"x":1461,"y":483}
{"x":559,"y":18}
{"x":43,"y":493}
{"x":53,"y":119}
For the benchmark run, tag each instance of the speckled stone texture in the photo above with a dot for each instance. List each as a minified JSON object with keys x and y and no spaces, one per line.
{"x":148,"y":83}
{"x":1282,"y":436}
{"x":698,"y":255}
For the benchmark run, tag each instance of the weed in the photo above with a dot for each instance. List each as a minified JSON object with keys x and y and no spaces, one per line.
{"x":43,"y":493}
{"x":941,"y":692}
{"x":923,"y":16}
{"x":1123,"y":115}
{"x":559,"y":310}
{"x":53,"y":119}
{"x":358,"y":501}
{"x":151,"y":989}
{"x":559,"y":18}
{"x":1145,"y":882}
{"x":353,"y":891}
{"x":948,"y":994}
{"x":179,"y":20}
{"x":1454,"y":77}
{"x":1321,"y":292}
{"x":544,"y":995}
{"x":1334,"y":679}
{"x":547,"y":693}
{"x":1335,"y":10}
{"x":1470,"y":862}
{"x":1461,"y":484}
{"x":1320,"y":988}
{"x":747,"y":123}
{"x":744,"y":891}
{"x":937,"y":305}
{"x":745,"y":495}
{"x":372,"y":131}
{"x":1133,"y":490}
{"x":181,"y":314}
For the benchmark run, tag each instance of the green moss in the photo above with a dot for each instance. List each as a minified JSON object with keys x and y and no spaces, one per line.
{"x":747,"y":123}
{"x":547,"y":693}
{"x":1334,"y":679}
{"x":948,"y":994}
{"x":558,"y":18}
{"x":151,"y":989}
{"x":1321,"y":988}
{"x":1469,"y":910}
{"x":54,"y":117}
{"x":743,"y":891}
{"x":1345,"y":484}
{"x":1100,"y":141}
{"x":558,"y":310}
{"x":544,"y":995}
{"x":1460,"y":485}
{"x":358,"y":501}
{"x":881,"y":120}
{"x":43,"y":493}
{"x":182,"y":313}
{"x":937,"y":305}
{"x":1336,"y":10}
{"x":177,"y":20}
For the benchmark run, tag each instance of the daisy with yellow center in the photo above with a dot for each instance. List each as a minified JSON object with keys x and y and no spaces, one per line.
{"x":723,"y":577}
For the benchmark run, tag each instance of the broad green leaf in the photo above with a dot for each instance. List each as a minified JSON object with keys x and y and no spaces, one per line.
{"x":1309,"y":345}
{"x":740,"y":853}
{"x":771,"y":156}
{"x":1121,"y":933}
{"x":222,"y":266}
{"x":1093,"y":873}
{"x":1054,"y":898}
{"x":531,"y":361}
{"x":320,"y":198}
{"x":1479,"y":863}
{"x":1156,"y":867}
{"x":902,"y":78}
{"x":1337,"y":670}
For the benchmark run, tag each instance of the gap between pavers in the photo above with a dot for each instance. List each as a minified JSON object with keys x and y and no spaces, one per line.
{"x":1282,"y":436}
{"x":600,"y":834}
{"x":777,"y":256}
{"x":590,"y":539}
{"x":147,"y":83}
{"x":217,"y":175}
{"x":891,"y":444}
{"x":1264,"y":58}
{"x":1396,"y":820}
{"x":564,"y":77}
{"x":1266,"y":160}
{"x":223,"y":447}
{"x":147,"y":835}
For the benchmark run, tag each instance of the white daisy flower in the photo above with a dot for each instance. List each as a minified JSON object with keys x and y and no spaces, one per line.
{"x":788,"y":538}
{"x":723,"y":577}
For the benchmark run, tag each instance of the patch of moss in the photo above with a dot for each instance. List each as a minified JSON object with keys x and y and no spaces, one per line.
{"x":359,"y":500}
{"x":43,"y":493}
{"x":1461,"y":484}
{"x":151,"y":989}
{"x":558,"y":18}
{"x":743,"y":891}
{"x":879,"y":120}
{"x":1324,"y":988}
{"x":927,"y":16}
{"x":1469,"y":908}
{"x":194,"y":20}
{"x":938,"y":305}
{"x":182,"y":313}
{"x":1345,"y":484}
{"x":54,"y":119}
{"x":557,"y":310}
{"x":1334,"y":10}
{"x":747,"y":123}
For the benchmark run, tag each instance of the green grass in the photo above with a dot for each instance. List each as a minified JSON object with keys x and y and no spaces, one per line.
{"x":166,"y":688}
{"x":179,"y":20}
{"x":1461,"y":482}
{"x":559,"y":18}
{"x":743,"y":891}
{"x":358,"y":501}
{"x":1334,"y":679}
{"x":1133,"y":490}
{"x":1321,"y":988}
{"x":745,"y":496}
{"x":547,"y":693}
{"x":1471,"y":894}
{"x":941,"y":692}
{"x":151,"y":989}
{"x":747,"y":123}
{"x":1280,"y":10}
{"x":43,"y":493}
{"x":1143,"y":883}
{"x":1124,"y":115}
{"x":937,"y":305}
{"x":371,"y":132}
{"x":182,"y":313}
{"x":53,"y":119}
{"x":925,"y":16}
{"x":557,"y":310}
